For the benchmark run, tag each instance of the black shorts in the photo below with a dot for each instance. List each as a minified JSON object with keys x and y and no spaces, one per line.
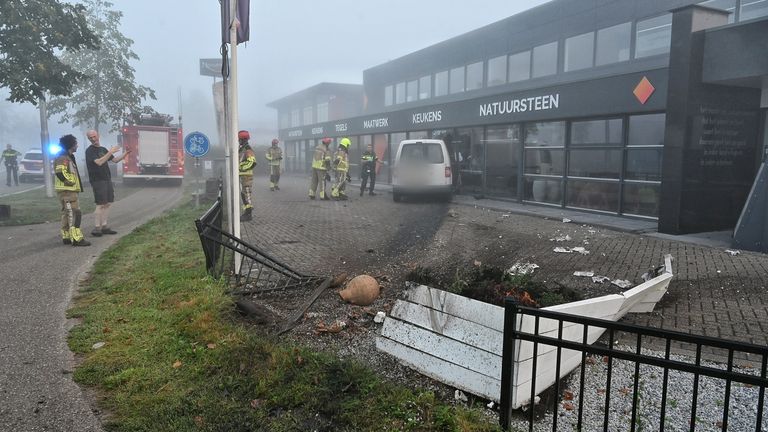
{"x":103,"y":192}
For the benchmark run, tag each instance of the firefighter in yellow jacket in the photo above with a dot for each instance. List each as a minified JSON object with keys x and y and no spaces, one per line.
{"x":321,"y":164}
{"x":341,"y":166}
{"x":68,"y":185}
{"x":275,"y":158}
{"x":247,"y":161}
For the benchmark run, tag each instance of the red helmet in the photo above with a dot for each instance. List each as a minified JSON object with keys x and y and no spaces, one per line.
{"x":326,"y":140}
{"x":275,"y":141}
{"x":243,"y":134}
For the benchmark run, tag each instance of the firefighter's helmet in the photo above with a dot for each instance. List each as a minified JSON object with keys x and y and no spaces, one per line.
{"x":345,"y":142}
{"x":326,"y":140}
{"x":275,"y":141}
{"x":243,"y":134}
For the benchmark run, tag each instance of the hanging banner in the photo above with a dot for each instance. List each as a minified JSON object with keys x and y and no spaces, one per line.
{"x":242,"y":15}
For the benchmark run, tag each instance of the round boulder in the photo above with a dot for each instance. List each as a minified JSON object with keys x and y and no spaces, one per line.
{"x":361,"y":290}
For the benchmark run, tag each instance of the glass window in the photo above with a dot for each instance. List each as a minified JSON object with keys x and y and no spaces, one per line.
{"x":520,"y":66}
{"x":642,"y":199}
{"x":381,"y":148}
{"x":502,"y":164}
{"x":441,"y":83}
{"x":545,"y":134}
{"x":653,"y":36}
{"x":597,"y":132}
{"x":543,"y":190}
{"x":412,"y":91}
{"x":544,"y":60}
{"x":322,"y":112}
{"x":307,"y":117}
{"x":644,"y":164}
{"x":425,"y":87}
{"x":354,"y":155}
{"x":400,"y":93}
{"x":394,"y":141}
{"x":544,"y":161}
{"x":470,"y":158}
{"x":422,"y":153}
{"x":285,"y":120}
{"x":613,"y":44}
{"x":579,"y":52}
{"x":475,"y":76}
{"x":295,"y":118}
{"x":457,"y":80}
{"x":599,"y":163}
{"x":593,"y":195}
{"x":418,"y":135}
{"x":729,"y":5}
{"x":388,"y":95}
{"x":753,"y":9}
{"x":647,"y":130}
{"x":497,"y":71}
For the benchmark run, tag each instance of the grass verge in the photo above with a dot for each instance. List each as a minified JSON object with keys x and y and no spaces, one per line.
{"x":175,"y":360}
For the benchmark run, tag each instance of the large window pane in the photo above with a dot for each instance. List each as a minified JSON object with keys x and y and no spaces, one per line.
{"x":388,"y":99}
{"x":322,"y":112}
{"x":441,"y":83}
{"x":497,"y":71}
{"x":381,"y":148}
{"x":543,"y":190}
{"x":596,"y":132}
{"x":641,"y":199}
{"x":520,"y":66}
{"x":753,"y":9}
{"x":653,"y":36}
{"x":502,"y":164}
{"x":400,"y":93}
{"x":644,"y":164}
{"x":475,"y":76}
{"x":295,"y":118}
{"x":457,"y":80}
{"x":593,"y":195}
{"x":394,"y":142}
{"x":600,"y":163}
{"x":425,"y":87}
{"x":613,"y":44}
{"x":545,"y":60}
{"x":544,"y":161}
{"x":412,"y":91}
{"x":729,"y":5}
{"x":579,"y":51}
{"x":418,"y":135}
{"x":470,"y":158}
{"x":545,"y":134}
{"x":308,"y":115}
{"x":645,"y":130}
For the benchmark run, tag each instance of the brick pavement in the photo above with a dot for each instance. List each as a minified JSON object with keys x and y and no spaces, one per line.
{"x":712,"y":293}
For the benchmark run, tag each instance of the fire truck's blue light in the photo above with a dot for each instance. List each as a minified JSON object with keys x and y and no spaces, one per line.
{"x":54,"y":149}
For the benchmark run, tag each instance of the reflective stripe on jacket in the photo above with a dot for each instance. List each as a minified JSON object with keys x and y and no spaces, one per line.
{"x":321,"y":159}
{"x":274,"y":156}
{"x":341,"y":161}
{"x":247,"y":160}
{"x":65,"y":166}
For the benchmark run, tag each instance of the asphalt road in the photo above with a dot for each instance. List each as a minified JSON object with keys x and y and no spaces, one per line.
{"x":7,"y":190}
{"x":38,"y":278}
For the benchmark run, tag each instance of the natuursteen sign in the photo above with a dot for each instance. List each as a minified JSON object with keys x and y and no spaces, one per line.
{"x":513,"y":106}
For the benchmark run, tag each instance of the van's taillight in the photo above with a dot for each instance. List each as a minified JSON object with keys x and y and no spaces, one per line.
{"x":447,"y":172}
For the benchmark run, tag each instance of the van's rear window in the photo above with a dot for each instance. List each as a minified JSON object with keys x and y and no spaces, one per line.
{"x":422,"y":152}
{"x":33,"y":156}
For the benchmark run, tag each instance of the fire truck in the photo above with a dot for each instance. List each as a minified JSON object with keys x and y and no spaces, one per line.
{"x":156,"y":149}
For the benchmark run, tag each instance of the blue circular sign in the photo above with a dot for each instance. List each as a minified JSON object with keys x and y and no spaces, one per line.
{"x":196,"y":144}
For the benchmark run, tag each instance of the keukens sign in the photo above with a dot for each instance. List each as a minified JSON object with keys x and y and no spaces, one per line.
{"x":520,"y":105}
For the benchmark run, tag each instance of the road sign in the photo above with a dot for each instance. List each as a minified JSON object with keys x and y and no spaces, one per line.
{"x":196,"y":144}
{"x":210,"y":67}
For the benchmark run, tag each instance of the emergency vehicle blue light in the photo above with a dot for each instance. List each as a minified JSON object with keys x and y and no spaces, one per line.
{"x":54,"y":149}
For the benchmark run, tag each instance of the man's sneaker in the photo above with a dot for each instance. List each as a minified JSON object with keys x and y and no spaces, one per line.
{"x":66,"y":241}
{"x":246,"y":217}
{"x":372,"y":193}
{"x":105,"y":230}
{"x":361,"y":192}
{"x":96,"y":233}
{"x":82,"y":242}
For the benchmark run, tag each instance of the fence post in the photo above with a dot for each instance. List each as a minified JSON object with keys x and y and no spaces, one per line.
{"x":508,"y":362}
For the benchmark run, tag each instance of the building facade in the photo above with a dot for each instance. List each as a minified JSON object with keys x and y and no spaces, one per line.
{"x":651,"y":109}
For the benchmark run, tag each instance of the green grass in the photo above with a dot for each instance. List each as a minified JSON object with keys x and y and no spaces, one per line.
{"x":33,"y":207}
{"x":175,"y":359}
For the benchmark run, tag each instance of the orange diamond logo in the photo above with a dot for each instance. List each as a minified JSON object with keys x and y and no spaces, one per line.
{"x":644,"y":90}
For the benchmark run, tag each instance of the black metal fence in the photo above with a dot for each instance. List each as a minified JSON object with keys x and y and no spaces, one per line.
{"x":209,"y":229}
{"x":583,"y":415}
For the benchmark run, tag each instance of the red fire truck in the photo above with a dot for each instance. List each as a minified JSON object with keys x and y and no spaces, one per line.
{"x":156,"y":149}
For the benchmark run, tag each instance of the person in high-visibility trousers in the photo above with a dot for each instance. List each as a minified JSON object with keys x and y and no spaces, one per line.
{"x":321,"y":163}
{"x":275,"y":158}
{"x":247,"y":161}
{"x":68,"y":185}
{"x":341,"y":166}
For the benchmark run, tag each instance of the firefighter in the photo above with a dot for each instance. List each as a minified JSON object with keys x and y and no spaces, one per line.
{"x":10,"y":156}
{"x":68,"y":185}
{"x":247,"y":161}
{"x":369,"y":161}
{"x":321,"y":163}
{"x":341,"y":167}
{"x":275,"y":157}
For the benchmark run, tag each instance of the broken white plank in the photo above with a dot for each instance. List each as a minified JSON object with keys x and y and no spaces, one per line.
{"x":472,"y":310}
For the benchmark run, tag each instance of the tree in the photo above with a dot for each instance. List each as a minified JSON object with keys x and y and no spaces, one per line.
{"x":32,"y":32}
{"x":110,"y":92}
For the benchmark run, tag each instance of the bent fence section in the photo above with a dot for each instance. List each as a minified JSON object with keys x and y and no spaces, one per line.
{"x":529,"y":332}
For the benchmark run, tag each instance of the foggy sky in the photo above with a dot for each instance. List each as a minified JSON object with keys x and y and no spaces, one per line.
{"x":294,"y":44}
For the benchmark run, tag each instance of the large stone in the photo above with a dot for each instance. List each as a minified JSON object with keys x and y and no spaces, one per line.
{"x":361,"y":290}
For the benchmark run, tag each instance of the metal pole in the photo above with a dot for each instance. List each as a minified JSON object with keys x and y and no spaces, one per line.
{"x":197,"y":182}
{"x":47,"y":174}
{"x":233,"y":119}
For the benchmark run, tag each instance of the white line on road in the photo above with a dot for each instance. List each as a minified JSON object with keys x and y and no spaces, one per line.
{"x":22,"y":191}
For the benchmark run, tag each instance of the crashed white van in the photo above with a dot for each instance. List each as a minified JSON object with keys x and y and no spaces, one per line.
{"x":422,"y":167}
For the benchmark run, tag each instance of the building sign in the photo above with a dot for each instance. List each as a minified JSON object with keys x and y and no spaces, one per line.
{"x":514,"y":106}
{"x":376,"y":123}
{"x":317,"y":130}
{"x":295,"y":133}
{"x":427,"y":117}
{"x":341,"y":127}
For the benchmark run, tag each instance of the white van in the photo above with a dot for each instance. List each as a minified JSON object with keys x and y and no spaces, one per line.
{"x":422,"y":167}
